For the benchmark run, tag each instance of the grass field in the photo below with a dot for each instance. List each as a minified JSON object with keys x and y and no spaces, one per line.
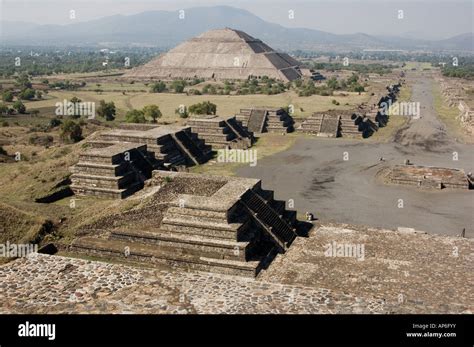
{"x":226,"y":104}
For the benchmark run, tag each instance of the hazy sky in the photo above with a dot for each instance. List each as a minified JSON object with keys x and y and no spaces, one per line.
{"x":430,"y":19}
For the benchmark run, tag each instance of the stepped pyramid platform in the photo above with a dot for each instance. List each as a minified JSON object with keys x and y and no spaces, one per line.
{"x":237,"y":228}
{"x":220,"y":54}
{"x":113,"y":172}
{"x":429,"y":177}
{"x":169,"y":145}
{"x":338,"y":124}
{"x":219,"y":132}
{"x":265,"y":119}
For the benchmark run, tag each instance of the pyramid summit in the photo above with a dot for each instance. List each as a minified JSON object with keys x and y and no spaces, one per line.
{"x":220,"y":54}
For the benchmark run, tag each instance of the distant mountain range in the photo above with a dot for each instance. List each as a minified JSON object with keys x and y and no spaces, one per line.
{"x":165,"y":29}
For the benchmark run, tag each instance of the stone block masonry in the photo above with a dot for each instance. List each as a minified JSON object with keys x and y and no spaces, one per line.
{"x":266,"y":119}
{"x":114,"y":172}
{"x":220,"y":133}
{"x":429,"y":177}
{"x":237,"y":230}
{"x":121,"y":160}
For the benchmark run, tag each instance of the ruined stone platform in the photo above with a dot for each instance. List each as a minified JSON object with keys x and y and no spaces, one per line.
{"x":338,"y":123}
{"x":237,"y":229}
{"x":429,"y":177}
{"x":170,"y":145}
{"x":401,"y":273}
{"x":265,"y":119}
{"x":116,"y":171}
{"x":221,"y":132}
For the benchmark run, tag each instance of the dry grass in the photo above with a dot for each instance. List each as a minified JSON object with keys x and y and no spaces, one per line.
{"x":448,"y":115}
{"x":226,"y":104}
{"x":268,"y":144}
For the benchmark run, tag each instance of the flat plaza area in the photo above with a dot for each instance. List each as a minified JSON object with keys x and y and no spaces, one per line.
{"x":315,"y":174}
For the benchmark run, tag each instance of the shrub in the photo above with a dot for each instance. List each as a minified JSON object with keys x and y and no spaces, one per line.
{"x":27,"y":94}
{"x":53,"y":123}
{"x":7,"y":96}
{"x":71,"y":132}
{"x":205,"y":107}
{"x":44,"y":140}
{"x":106,"y":110}
{"x":19,"y":107}
{"x":135,"y":116}
{"x":158,"y":87}
{"x":182,"y":112}
{"x":152,"y":111}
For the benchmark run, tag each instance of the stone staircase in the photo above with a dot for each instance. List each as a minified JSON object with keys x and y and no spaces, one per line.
{"x":258,"y":120}
{"x":237,"y":230}
{"x":113,"y":172}
{"x":338,"y":124}
{"x":312,"y":125}
{"x":273,"y":223}
{"x":220,"y":133}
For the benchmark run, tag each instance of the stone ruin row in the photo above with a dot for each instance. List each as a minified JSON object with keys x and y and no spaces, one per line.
{"x":265,"y":119}
{"x":455,"y":97}
{"x":116,"y":171}
{"x":338,"y":124}
{"x":220,"y":133}
{"x":121,"y":160}
{"x":361,"y":123}
{"x":237,"y":230}
{"x":429,"y":177}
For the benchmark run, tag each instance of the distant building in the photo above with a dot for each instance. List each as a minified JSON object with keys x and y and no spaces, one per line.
{"x":220,"y":54}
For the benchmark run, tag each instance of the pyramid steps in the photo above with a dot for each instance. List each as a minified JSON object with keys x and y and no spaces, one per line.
{"x":202,"y":228}
{"x":150,"y":254}
{"x":236,"y":230}
{"x":112,"y":172}
{"x":266,"y":119}
{"x":212,"y":55}
{"x":220,"y":133}
{"x":109,"y":193}
{"x":281,"y":232}
{"x":191,"y":244}
{"x":256,"y":120}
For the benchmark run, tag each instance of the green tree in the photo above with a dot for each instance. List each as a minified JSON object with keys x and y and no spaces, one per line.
{"x":23,"y":81}
{"x":332,"y":83}
{"x":106,"y":110}
{"x":178,"y":86}
{"x":135,"y":116}
{"x":19,"y":107}
{"x":359,"y":89}
{"x":182,"y":112}
{"x":152,"y":111}
{"x":7,"y":96}
{"x":71,"y":132}
{"x":3,"y":109}
{"x":205,"y":107}
{"x":158,"y":87}
{"x":27,"y":94}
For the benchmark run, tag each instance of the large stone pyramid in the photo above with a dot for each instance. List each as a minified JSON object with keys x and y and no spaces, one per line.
{"x":220,"y":54}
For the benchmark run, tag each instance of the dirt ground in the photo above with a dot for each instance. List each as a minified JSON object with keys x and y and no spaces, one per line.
{"x":314,"y":174}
